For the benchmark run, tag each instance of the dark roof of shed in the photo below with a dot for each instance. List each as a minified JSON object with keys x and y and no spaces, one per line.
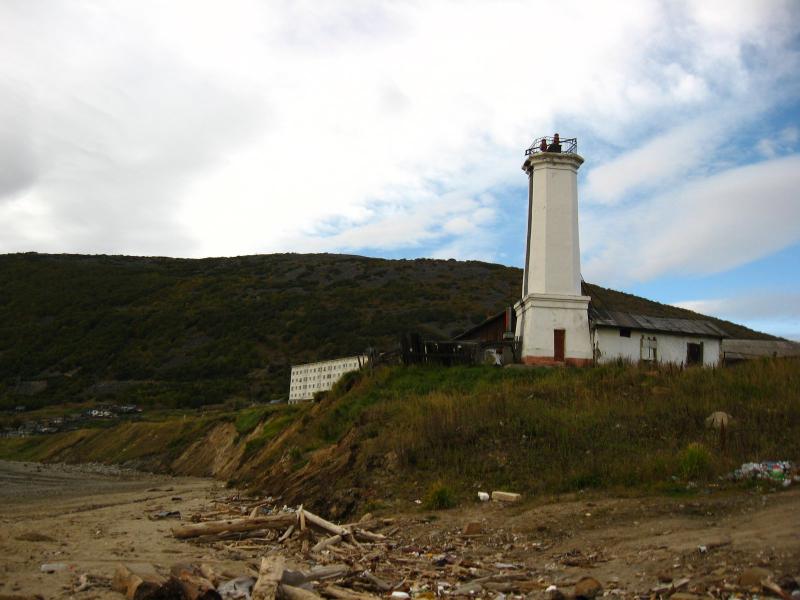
{"x":466,"y":335}
{"x":611,"y":308}
{"x":733,"y":349}
{"x":615,"y":318}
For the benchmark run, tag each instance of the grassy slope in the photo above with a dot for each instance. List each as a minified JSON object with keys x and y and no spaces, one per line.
{"x":395,"y":433}
{"x":533,"y":430}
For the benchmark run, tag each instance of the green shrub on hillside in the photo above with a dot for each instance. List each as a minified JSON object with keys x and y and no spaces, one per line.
{"x":272,"y":428}
{"x":439,"y":497}
{"x":695,"y":462}
{"x":247,"y":420}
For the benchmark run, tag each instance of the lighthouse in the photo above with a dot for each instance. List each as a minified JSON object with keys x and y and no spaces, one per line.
{"x":552,"y":315}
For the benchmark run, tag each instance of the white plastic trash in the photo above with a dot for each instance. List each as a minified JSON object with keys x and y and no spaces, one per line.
{"x":483,"y":496}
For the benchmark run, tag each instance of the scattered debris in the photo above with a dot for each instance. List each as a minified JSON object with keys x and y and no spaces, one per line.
{"x":473,"y":528}
{"x":483,"y":496}
{"x":34,"y":536}
{"x":237,"y":589}
{"x":302,"y":556}
{"x":165,"y":514}
{"x":779,"y":471}
{"x":752,"y":577}
{"x":588,"y":588}
{"x":52,"y":567}
{"x":83,"y":583}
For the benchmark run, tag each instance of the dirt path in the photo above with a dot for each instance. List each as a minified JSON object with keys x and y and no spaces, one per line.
{"x":89,"y":519}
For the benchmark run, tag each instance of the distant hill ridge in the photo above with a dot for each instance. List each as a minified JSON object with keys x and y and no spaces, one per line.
{"x":188,"y":332}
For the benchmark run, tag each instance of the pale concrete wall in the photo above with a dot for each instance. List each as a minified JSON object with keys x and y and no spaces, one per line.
{"x":538,"y":316}
{"x":671,"y":348}
{"x":320,"y":376}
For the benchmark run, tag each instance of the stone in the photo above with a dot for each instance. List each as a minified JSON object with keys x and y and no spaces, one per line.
{"x":473,"y":528}
{"x":553,"y":593}
{"x":682,"y":582}
{"x":718,"y":420}
{"x":588,"y":588}
{"x":506,"y":497}
{"x":788,"y":583}
{"x":468,"y":589}
{"x":752,"y":577}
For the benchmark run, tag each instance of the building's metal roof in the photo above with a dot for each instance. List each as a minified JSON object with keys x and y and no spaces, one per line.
{"x":742,"y":349}
{"x":615,"y":318}
{"x":470,"y":333}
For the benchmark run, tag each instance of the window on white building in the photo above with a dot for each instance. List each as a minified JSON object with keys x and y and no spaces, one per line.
{"x":649,"y":348}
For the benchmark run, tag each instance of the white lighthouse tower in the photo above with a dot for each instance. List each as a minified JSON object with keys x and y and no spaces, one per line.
{"x":553,"y":316}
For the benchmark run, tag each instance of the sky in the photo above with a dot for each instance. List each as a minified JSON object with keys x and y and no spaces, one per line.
{"x":398,"y":129}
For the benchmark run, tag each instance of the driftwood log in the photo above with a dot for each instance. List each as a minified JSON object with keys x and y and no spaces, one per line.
{"x":269,"y":576}
{"x":211,"y":574}
{"x":286,"y":534}
{"x":137,"y":582}
{"x":322,"y":544}
{"x":233,"y":525}
{"x":195,"y":586}
{"x":289,"y":592}
{"x":340,"y":593}
{"x":376,"y":582}
{"x":320,"y":523}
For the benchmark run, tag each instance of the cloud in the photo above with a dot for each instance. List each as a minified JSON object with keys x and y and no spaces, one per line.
{"x":784,"y":142}
{"x":704,"y":226}
{"x":98,"y":144}
{"x":773,"y":305}
{"x":774,"y":311}
{"x":658,"y":161}
{"x":193,"y":129}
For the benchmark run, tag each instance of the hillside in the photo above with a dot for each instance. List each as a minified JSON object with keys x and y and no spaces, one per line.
{"x":175,"y":332}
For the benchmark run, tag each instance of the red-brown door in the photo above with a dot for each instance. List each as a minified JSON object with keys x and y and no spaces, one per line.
{"x":558,"y":344}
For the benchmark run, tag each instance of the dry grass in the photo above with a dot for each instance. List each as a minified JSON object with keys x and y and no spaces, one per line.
{"x":529,"y":430}
{"x":559,"y":430}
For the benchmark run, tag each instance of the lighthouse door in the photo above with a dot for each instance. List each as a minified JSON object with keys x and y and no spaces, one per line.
{"x":558,"y":344}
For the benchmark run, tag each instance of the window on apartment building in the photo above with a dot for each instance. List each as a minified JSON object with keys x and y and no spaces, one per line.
{"x":625,"y":332}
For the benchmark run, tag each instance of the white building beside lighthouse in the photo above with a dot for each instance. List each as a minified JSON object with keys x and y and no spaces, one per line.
{"x":562,"y":320}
